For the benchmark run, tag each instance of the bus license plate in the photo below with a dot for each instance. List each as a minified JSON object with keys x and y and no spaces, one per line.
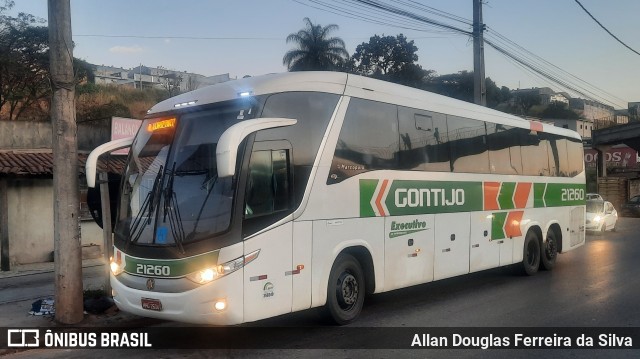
{"x":151,"y":304}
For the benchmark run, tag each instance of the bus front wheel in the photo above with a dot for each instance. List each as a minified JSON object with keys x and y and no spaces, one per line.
{"x":345,"y":292}
{"x":531,"y":253}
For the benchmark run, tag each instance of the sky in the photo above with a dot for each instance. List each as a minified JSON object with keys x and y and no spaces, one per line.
{"x":247,"y":37}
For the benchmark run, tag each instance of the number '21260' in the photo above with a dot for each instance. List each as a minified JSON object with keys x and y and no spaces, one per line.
{"x":150,"y":269}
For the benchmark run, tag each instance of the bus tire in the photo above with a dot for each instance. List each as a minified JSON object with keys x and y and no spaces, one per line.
{"x":549,"y":251}
{"x":531,"y":253}
{"x":346,"y":290}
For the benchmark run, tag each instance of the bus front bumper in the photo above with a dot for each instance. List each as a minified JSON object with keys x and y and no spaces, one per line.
{"x":197,"y":306}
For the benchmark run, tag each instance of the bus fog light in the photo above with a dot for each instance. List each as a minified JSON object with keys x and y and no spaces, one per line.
{"x":220,"y":305}
{"x":113,"y":292}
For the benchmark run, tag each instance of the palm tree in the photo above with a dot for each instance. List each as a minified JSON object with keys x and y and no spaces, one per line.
{"x":315,"y":50}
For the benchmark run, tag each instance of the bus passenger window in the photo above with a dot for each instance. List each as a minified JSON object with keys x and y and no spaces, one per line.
{"x":368,"y":141}
{"x":468,"y":143}
{"x":268,"y":184}
{"x":504,"y":149}
{"x":424,"y":143}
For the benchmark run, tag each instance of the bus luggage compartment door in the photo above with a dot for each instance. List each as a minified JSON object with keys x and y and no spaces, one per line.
{"x":451,"y":245}
{"x":408,"y":250}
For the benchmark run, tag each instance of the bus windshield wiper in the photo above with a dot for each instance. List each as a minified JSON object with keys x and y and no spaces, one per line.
{"x":147,"y":204}
{"x":173,"y":211}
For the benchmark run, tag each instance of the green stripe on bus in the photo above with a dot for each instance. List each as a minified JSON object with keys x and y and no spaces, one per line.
{"x":367,"y":189}
{"x":497,"y":225}
{"x":505,"y":198}
{"x":177,"y":267}
{"x":408,"y":197}
{"x":561,"y":194}
{"x":538,"y":194}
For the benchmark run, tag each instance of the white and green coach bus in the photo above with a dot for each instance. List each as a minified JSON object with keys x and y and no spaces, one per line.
{"x":267,"y":195}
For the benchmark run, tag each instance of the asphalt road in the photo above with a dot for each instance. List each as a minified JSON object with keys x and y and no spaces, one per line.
{"x":597,"y":285}
{"x":41,"y":284}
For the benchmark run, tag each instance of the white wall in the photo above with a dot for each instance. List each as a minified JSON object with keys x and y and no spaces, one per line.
{"x":31,"y":221}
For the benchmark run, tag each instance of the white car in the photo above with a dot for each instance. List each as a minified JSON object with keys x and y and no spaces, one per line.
{"x":601,"y":216}
{"x":594,"y":196}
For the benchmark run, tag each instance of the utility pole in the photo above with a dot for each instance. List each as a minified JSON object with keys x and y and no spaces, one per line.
{"x":479,"y":86}
{"x":66,"y":206}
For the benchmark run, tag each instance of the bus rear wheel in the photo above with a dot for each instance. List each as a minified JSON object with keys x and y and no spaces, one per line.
{"x":346,"y":291}
{"x":531,"y":253}
{"x":549,"y":251}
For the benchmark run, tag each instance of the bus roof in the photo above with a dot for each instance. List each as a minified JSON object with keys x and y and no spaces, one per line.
{"x":350,"y":85}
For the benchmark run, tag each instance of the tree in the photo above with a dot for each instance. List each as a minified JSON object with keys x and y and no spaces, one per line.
{"x":384,"y":55}
{"x":24,"y":64}
{"x":458,"y":85}
{"x":496,"y":95}
{"x":526,"y":100}
{"x":315,"y":50}
{"x":390,"y":58}
{"x":23,"y":61}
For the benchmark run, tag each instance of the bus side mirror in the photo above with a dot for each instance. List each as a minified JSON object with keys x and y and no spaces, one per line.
{"x":227,"y":148}
{"x":92,"y":161}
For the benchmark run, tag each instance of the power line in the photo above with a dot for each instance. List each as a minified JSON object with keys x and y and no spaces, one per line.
{"x":511,"y":50}
{"x":349,"y":12}
{"x":516,"y":47}
{"x":178,"y":37}
{"x":605,"y":29}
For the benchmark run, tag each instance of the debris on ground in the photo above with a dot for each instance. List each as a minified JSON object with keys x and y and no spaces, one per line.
{"x":45,"y":306}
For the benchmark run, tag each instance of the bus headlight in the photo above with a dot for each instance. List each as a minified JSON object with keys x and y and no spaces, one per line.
{"x":115,"y":268}
{"x":212,"y":273}
{"x":597,"y":219}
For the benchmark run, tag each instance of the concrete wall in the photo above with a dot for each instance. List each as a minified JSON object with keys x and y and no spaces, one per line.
{"x":31,"y":221}
{"x":36,"y":135}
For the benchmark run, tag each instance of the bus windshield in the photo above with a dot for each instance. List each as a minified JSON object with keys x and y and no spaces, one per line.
{"x":171,"y":193}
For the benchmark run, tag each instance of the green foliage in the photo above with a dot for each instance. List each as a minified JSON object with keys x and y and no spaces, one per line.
{"x":384,"y":55}
{"x":315,"y":50}
{"x":389,"y":58}
{"x":458,"y":85}
{"x":559,"y":110}
{"x":105,"y":111}
{"x":24,"y":66}
{"x":87,"y":88}
{"x":24,"y":62}
{"x":525,"y":100}
{"x":96,"y":102}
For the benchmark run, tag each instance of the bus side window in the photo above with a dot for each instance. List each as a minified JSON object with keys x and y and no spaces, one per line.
{"x":468,"y":143}
{"x":504,"y":149}
{"x":424,"y":144}
{"x":535,"y":158}
{"x":268,"y":183}
{"x":368,"y":141}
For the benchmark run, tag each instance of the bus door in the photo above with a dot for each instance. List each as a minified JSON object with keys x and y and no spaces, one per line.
{"x":408,"y":250}
{"x":268,"y":200}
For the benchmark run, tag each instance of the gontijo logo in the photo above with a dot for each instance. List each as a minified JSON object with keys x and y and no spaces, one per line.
{"x":401,"y":197}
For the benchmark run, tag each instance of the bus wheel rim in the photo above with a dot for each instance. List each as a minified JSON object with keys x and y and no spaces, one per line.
{"x":348,"y":291}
